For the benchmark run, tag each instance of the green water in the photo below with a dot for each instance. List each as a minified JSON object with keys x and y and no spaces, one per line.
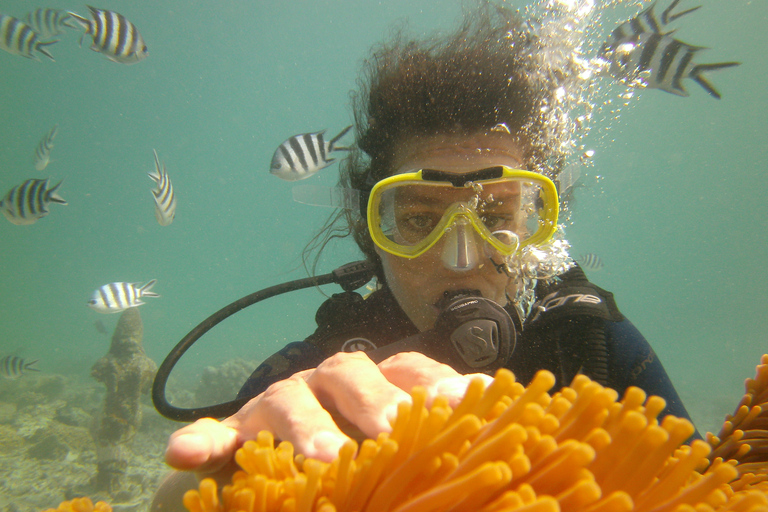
{"x":678,"y":215}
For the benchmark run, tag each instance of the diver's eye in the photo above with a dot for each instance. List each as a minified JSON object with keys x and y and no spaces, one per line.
{"x":495,"y":222}
{"x":420,"y":223}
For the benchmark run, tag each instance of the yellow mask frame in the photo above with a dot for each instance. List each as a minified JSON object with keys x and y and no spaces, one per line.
{"x":548,"y":210}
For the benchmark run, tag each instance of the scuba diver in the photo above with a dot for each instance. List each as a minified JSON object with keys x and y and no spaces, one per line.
{"x":457,"y":219}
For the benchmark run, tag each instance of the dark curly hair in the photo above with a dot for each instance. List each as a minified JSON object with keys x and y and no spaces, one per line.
{"x":483,"y":76}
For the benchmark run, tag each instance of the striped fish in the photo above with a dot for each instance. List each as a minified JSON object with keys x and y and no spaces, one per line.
{"x":303,"y":155}
{"x":49,"y":23}
{"x":590,"y":261}
{"x":28,"y":202}
{"x":18,"y":38}
{"x":113,"y":36}
{"x":644,"y":23}
{"x":13,"y":367}
{"x":165,"y":198}
{"x":117,"y":297}
{"x":43,"y":149}
{"x":639,"y":54}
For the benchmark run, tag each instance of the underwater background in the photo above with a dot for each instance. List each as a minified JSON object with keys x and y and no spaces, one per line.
{"x":673,"y":203}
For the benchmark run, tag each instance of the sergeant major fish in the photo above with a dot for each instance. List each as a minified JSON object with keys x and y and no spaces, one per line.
{"x":165,"y":198}
{"x":43,"y":149}
{"x":113,"y":36}
{"x":638,"y":53}
{"x":117,"y":297}
{"x":49,"y":23}
{"x":12,"y":367}
{"x":303,"y":155}
{"x":26,"y":203}
{"x":644,"y":23}
{"x":590,"y":261}
{"x":18,"y":38}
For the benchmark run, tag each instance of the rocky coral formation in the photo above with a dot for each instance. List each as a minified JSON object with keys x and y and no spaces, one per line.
{"x":221,"y":383}
{"x":127,"y":374}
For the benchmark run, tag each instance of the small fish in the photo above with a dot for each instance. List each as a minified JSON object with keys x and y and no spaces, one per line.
{"x":13,"y":367}
{"x":165,"y":198}
{"x":117,"y":297}
{"x":43,"y":149}
{"x":49,"y":23}
{"x":26,"y":203}
{"x":303,"y":155}
{"x":660,"y":62}
{"x":639,"y":54}
{"x":590,"y":261}
{"x":113,"y":36}
{"x":644,"y":23}
{"x":100,"y":328}
{"x":18,"y":38}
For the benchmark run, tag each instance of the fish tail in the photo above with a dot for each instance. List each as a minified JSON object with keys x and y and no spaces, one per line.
{"x":41,"y":47}
{"x":333,"y":141}
{"x":52,"y":196}
{"x":83,"y":22}
{"x":156,"y":176}
{"x":65,"y":20}
{"x":28,"y":366}
{"x":144,"y":290}
{"x":667,"y":17}
{"x":697,"y":74}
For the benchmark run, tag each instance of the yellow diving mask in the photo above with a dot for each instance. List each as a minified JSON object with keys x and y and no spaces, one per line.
{"x":507,"y":208}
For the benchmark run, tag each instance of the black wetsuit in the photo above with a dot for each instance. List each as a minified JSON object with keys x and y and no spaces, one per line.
{"x":575,"y":327}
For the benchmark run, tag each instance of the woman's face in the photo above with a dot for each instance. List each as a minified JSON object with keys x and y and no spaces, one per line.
{"x":419,"y":283}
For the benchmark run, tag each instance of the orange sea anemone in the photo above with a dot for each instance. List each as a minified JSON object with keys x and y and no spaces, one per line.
{"x":81,"y":505}
{"x":508,"y":447}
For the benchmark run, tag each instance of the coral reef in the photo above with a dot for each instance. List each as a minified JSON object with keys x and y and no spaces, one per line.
{"x":509,"y":447}
{"x":127,"y":374}
{"x":221,"y":383}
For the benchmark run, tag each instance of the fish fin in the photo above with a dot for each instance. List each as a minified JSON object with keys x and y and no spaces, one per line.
{"x":667,"y":17}
{"x":83,"y":22}
{"x":65,"y":21}
{"x":334,"y":140}
{"x":40,"y":46}
{"x":158,"y":174}
{"x":52,"y":196}
{"x":144,"y":290}
{"x":342,"y":148}
{"x":697,"y":75}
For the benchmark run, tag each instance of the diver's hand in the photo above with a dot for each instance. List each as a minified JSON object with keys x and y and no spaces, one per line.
{"x":346,"y":391}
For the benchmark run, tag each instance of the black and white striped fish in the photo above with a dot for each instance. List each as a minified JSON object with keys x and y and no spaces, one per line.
{"x":303,"y":155}
{"x":43,"y":149}
{"x":13,"y":367}
{"x":49,"y":23}
{"x":117,"y":297}
{"x":113,"y":36}
{"x":165,"y":198}
{"x":590,"y":261}
{"x":638,"y":53}
{"x":644,"y":23}
{"x":28,"y":202}
{"x":18,"y":38}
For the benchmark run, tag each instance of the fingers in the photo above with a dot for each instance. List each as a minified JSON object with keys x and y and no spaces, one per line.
{"x":408,"y":369}
{"x":290,"y":410}
{"x":353,"y":385}
{"x":206,"y":445}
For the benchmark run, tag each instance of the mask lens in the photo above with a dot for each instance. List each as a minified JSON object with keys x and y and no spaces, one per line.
{"x":505,"y":212}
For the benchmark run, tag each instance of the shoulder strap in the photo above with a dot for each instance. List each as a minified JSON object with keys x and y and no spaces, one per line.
{"x":572,"y":294}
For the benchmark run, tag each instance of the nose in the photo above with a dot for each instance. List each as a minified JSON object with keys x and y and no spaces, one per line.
{"x":461,"y":246}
